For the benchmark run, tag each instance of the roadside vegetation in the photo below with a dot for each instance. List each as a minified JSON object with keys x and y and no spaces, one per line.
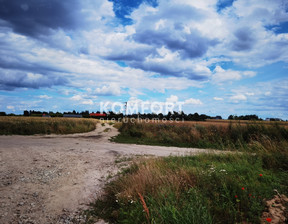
{"x":193,"y":189}
{"x":39,"y":125}
{"x":216,"y":135}
{"x":207,"y":188}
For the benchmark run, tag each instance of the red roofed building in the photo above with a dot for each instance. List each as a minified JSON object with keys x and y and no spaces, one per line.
{"x":97,"y":115}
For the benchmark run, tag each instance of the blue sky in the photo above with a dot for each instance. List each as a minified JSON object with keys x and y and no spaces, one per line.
{"x":217,"y":57}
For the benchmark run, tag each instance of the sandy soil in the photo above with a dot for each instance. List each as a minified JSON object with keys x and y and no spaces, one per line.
{"x":45,"y":178}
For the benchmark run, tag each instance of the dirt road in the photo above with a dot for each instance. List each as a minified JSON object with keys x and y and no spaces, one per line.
{"x":46,"y":178}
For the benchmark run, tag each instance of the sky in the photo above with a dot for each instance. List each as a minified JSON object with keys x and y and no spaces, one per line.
{"x":214,"y":57}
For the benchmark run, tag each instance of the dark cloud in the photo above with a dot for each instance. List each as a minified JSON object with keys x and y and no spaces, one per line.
{"x":34,"y":17}
{"x":10,"y":60}
{"x":169,"y":70}
{"x":18,"y":71}
{"x":138,"y":54}
{"x":12,"y":79}
{"x":244,"y":39}
{"x":188,"y":45}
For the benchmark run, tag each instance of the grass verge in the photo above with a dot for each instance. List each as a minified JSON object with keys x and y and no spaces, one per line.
{"x":39,"y":125}
{"x":193,"y":189}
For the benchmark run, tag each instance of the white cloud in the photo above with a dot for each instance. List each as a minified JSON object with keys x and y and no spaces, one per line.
{"x":238,"y":97}
{"x":108,"y":90}
{"x":76,"y":97}
{"x":218,"y":98}
{"x":45,"y":97}
{"x":193,"y":101}
{"x":221,"y":75}
{"x":268,"y":93}
{"x":87,"y":102}
{"x":172,"y":99}
{"x":10,"y":107}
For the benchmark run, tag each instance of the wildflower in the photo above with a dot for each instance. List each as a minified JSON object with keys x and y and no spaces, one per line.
{"x":250,"y":195}
{"x":268,"y":219}
{"x":236,"y":196}
{"x":260,"y":174}
{"x":243,"y":188}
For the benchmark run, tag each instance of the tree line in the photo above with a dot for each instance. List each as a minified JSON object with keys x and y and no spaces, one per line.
{"x":112,"y":115}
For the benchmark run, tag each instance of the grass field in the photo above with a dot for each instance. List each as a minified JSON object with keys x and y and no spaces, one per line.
{"x":224,"y":135}
{"x":208,"y":188}
{"x":39,"y":125}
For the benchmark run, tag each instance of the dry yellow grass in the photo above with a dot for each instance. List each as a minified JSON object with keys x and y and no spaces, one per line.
{"x":224,"y":122}
{"x":40,"y":125}
{"x":151,"y":176}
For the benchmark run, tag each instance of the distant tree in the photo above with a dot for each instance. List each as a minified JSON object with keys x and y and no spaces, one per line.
{"x":3,"y":114}
{"x":85,"y":114}
{"x":26,"y":113}
{"x":231,"y":117}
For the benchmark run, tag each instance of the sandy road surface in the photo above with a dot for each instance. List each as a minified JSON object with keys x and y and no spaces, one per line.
{"x":45,"y":178}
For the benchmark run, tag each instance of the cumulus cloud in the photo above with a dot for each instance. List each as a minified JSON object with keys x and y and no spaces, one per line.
{"x":172,"y":99}
{"x":88,"y":102}
{"x":193,"y":101}
{"x":45,"y":97}
{"x":165,"y":29}
{"x":218,"y":98}
{"x":108,"y":90}
{"x":188,"y":45}
{"x":238,"y":97}
{"x":221,"y":75}
{"x":76,"y":97}
{"x":41,"y":17}
{"x":244,"y":39}
{"x":11,"y":79}
{"x":31,"y":17}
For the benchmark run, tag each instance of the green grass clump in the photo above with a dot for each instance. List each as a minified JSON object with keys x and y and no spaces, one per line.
{"x":39,"y":125}
{"x":206,"y":188}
